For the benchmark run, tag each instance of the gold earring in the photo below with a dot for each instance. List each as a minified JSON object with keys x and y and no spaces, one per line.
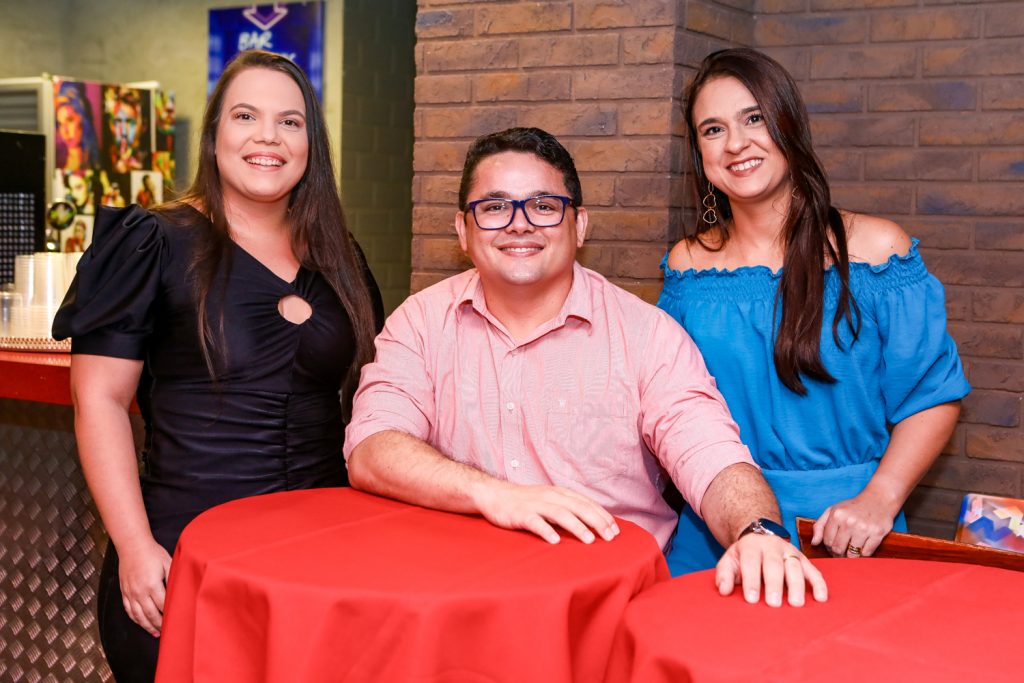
{"x":710,"y":216}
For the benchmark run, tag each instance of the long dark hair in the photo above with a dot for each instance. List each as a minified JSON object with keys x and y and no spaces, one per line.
{"x":813,"y":232}
{"x":319,"y":235}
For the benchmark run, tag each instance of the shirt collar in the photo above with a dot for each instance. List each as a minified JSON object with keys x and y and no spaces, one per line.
{"x":578,"y":304}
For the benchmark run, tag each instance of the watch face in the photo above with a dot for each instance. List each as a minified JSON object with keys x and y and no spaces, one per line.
{"x":774,"y":528}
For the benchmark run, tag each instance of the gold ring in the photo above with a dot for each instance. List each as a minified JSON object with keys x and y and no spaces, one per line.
{"x":853,"y":549}
{"x":791,"y":557}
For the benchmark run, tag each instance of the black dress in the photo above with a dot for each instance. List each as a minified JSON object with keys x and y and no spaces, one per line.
{"x":271,"y":421}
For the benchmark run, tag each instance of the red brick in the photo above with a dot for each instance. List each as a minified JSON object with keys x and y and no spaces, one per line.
{"x":462,"y":122}
{"x":598,"y":190}
{"x":930,"y":503}
{"x":867,"y":61}
{"x":888,"y":199}
{"x":648,"y":290}
{"x":438,"y":189}
{"x":863,"y":131}
{"x":997,"y":408}
{"x":1001,"y":165}
{"x":441,"y":253}
{"x":571,"y":118}
{"x":444,"y":23}
{"x":523,"y":17}
{"x":972,"y":129}
{"x":992,"y":199}
{"x":986,"y":374}
{"x":999,"y":235}
{"x":958,"y":303}
{"x":713,"y":20}
{"x":419,"y":281}
{"x":641,"y":190}
{"x":527,"y":87}
{"x":958,"y":474}
{"x":931,"y":96}
{"x":694,"y":48}
{"x":988,"y":340}
{"x":438,"y":156}
{"x":597,"y":257}
{"x":623,"y":13}
{"x":919,"y":164}
{"x":841,"y":164}
{"x":434,"y":220}
{"x":630,"y":83}
{"x":833,"y":97}
{"x":955,"y":445}
{"x":995,"y":443}
{"x":938,"y":233}
{"x":994,"y":57}
{"x":651,"y":117}
{"x":779,"y":6}
{"x":641,"y":225}
{"x":1003,"y":21}
{"x":637,"y":261}
{"x":814,"y":29}
{"x":999,"y":306}
{"x":832,"y":5}
{"x":983,"y":269}
{"x":569,"y":50}
{"x":926,"y":24}
{"x":441,"y":90}
{"x":1005,"y":93}
{"x":649,"y":46}
{"x":632,"y":154}
{"x":797,"y":61}
{"x":470,"y":55}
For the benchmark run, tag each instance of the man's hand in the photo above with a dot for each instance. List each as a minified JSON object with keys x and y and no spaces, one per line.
{"x":754,"y":556}
{"x":539,"y":509}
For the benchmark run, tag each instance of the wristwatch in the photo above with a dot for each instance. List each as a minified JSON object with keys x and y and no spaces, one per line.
{"x":765,"y":527}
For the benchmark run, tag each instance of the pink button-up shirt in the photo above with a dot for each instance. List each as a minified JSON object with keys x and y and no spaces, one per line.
{"x":604,"y":399}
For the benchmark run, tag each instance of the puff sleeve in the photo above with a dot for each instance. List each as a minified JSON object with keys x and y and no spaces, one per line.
{"x":920,"y":364}
{"x":108,"y":310}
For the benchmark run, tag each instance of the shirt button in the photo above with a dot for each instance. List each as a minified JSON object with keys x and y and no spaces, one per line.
{"x":510,"y":405}
{"x":515,"y":464}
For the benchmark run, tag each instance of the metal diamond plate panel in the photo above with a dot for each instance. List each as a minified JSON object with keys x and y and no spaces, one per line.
{"x":51,"y":549}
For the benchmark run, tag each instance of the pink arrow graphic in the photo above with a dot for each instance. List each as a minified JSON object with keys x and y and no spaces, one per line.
{"x":265,"y":21}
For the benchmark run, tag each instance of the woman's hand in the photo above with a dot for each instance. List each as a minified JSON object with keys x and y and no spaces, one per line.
{"x":143,"y":575}
{"x":855,"y":527}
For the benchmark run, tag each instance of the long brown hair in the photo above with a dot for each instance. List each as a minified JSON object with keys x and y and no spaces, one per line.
{"x":319,"y":234}
{"x":813,"y":231}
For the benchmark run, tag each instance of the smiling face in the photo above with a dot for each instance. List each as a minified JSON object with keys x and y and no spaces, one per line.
{"x":738,"y":153}
{"x":262,"y":146}
{"x":521,"y":255}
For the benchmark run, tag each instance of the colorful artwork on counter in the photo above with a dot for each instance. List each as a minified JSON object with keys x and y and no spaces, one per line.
{"x":293,"y":29}
{"x":992,"y":521}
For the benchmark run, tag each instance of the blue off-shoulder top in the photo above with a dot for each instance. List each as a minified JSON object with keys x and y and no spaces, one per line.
{"x":818,"y":449}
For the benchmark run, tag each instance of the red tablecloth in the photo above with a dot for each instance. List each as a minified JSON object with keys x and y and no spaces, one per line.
{"x":337,"y":585}
{"x":885,"y":621}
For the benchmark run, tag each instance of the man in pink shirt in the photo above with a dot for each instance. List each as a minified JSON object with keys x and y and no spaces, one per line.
{"x":532,"y":391}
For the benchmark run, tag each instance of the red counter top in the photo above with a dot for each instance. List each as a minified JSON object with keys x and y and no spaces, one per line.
{"x":31,"y":376}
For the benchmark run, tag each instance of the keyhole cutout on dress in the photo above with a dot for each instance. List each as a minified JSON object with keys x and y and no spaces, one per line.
{"x":294,"y":309}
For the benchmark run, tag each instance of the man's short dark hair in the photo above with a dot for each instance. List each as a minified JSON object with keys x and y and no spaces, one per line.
{"x":531,"y":140}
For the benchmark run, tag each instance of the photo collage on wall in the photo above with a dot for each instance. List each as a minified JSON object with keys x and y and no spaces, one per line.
{"x":109,"y":151}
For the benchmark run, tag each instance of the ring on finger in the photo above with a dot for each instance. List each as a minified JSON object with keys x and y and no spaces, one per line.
{"x":854,"y":550}
{"x":791,"y":557}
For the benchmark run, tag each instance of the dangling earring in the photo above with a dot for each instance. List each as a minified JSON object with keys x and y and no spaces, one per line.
{"x":710,"y":203}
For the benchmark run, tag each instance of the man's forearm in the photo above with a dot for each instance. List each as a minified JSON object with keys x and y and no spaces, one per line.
{"x":400,"y":466}
{"x":735,"y":498}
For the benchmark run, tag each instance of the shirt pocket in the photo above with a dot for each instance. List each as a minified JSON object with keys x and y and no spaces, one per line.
{"x":592,"y":442}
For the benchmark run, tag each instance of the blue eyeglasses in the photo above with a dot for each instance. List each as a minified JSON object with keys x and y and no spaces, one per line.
{"x":497,"y":213}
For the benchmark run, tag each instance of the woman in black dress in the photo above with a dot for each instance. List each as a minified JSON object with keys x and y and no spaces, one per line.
{"x":239,"y":317}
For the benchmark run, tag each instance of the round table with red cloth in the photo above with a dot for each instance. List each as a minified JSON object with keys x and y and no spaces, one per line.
{"x":338,"y":585}
{"x":885,"y":621}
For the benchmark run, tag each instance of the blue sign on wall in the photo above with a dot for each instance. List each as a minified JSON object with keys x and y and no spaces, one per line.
{"x":293,"y":29}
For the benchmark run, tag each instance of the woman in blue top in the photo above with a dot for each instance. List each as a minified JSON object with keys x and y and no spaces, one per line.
{"x":825,"y":332}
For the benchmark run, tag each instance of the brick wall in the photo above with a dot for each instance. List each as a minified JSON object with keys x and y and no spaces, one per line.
{"x":917,"y":114}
